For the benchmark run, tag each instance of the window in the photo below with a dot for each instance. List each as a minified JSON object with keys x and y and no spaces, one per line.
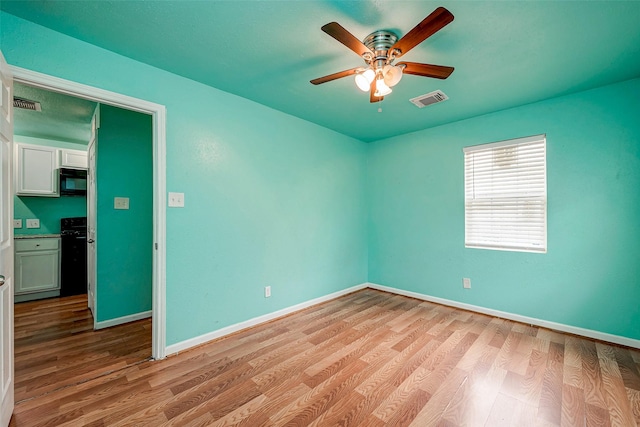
{"x":505,"y":195}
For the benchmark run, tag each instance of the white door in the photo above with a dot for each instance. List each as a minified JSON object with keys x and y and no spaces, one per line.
{"x":91,"y":221}
{"x":6,"y":244}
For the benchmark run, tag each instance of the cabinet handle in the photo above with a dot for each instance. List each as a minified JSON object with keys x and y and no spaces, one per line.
{"x":1,"y":280}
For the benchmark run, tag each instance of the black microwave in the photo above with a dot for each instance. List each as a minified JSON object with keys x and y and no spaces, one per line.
{"x":73,"y":182}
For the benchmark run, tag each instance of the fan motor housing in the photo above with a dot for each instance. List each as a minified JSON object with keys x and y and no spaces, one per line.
{"x":380,"y":42}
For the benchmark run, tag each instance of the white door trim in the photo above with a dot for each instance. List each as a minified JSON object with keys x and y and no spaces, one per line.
{"x":158,"y":112}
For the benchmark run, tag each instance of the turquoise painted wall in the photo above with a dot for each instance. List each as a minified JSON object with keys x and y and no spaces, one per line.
{"x":124,"y":237}
{"x":270,"y":199}
{"x":48,"y":210}
{"x":588,"y":278}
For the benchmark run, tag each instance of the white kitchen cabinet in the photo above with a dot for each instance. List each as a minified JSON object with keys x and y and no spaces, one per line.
{"x":37,"y":265}
{"x":37,"y":170}
{"x":74,"y":159}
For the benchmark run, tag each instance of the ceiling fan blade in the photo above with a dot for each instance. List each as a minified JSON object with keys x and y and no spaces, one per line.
{"x":426,"y":70}
{"x":428,"y":27}
{"x":339,"y":33}
{"x":372,"y":97}
{"x":335,"y":76}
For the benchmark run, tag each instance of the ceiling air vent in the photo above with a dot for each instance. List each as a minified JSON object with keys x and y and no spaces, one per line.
{"x":26,"y":104}
{"x":429,"y":98}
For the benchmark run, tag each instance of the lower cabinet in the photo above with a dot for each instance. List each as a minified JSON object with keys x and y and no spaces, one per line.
{"x":37,"y":265}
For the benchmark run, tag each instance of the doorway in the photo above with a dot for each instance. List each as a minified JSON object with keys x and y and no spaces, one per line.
{"x":157,"y":113}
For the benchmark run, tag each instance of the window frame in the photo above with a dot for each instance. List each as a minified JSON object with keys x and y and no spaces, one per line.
{"x":499,"y":240}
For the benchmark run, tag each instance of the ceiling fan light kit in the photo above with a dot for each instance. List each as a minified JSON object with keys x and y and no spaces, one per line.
{"x":392,"y":74}
{"x":381,"y":88}
{"x":381,"y":48}
{"x":364,"y":79}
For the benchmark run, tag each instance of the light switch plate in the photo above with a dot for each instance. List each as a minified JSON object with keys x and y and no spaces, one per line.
{"x":17,"y":223}
{"x":176,"y":200}
{"x":120,"y":203}
{"x":33,"y":223}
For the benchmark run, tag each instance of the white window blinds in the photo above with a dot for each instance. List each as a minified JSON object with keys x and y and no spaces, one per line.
{"x":505,"y":186}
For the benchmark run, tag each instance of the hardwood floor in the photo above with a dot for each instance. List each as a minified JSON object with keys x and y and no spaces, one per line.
{"x":56,"y":346}
{"x":366,"y":359}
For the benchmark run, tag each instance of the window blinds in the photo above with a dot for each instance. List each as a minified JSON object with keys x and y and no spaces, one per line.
{"x":505,"y":187}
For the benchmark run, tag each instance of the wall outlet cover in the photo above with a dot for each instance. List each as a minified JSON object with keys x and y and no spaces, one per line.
{"x":267,"y":291}
{"x":121,"y":203}
{"x":33,"y":223}
{"x":466,"y":283}
{"x":176,"y":200}
{"x":17,"y":223}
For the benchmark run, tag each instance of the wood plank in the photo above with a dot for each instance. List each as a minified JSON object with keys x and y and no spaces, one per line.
{"x":473,"y":401}
{"x":550,"y":406}
{"x":614,"y":390}
{"x":572,"y":406}
{"x":634,"y":400}
{"x":596,"y":416}
{"x":628,"y":368}
{"x":594,"y":390}
{"x":434,"y":408}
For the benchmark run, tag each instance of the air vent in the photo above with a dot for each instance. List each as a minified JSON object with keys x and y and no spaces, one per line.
{"x":429,"y":98}
{"x":26,"y":104}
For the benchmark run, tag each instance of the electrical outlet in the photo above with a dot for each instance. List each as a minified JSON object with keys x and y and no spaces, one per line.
{"x":466,"y":283}
{"x":176,"y":200}
{"x":33,"y":223}
{"x":267,"y":291}
{"x":17,"y":223}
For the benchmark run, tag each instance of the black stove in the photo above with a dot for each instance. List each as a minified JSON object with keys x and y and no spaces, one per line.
{"x":73,"y":263}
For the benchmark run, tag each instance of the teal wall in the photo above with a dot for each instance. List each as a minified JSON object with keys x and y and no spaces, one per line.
{"x":124,"y":237}
{"x":269,"y":199}
{"x":588,"y":278}
{"x":48,"y":210}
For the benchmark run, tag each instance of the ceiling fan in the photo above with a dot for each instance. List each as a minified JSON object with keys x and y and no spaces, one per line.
{"x":380,"y":48}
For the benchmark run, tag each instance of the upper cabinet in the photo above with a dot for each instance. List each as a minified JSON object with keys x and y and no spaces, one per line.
{"x":37,"y":170}
{"x":74,"y":159}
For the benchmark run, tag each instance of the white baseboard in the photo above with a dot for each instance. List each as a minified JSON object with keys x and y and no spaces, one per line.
{"x":588,"y":333}
{"x":192,"y":342}
{"x":121,"y":320}
{"x":210,"y":336}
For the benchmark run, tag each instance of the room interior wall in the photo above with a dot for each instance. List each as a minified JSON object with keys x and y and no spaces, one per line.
{"x":589,"y":276}
{"x":273,"y":200}
{"x":124,"y":168}
{"x":270,"y":200}
{"x":49,"y":210}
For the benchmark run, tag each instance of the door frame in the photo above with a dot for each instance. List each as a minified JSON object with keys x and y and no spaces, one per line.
{"x":158,"y":113}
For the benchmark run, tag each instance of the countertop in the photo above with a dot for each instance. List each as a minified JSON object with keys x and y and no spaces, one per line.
{"x":35,"y":236}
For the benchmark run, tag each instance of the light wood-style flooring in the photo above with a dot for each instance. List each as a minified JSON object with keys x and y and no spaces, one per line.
{"x":365,"y":359}
{"x":55,"y":345}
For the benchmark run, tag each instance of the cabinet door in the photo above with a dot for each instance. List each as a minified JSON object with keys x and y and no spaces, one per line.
{"x":37,"y":271}
{"x":37,"y":171}
{"x":76,"y":159}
